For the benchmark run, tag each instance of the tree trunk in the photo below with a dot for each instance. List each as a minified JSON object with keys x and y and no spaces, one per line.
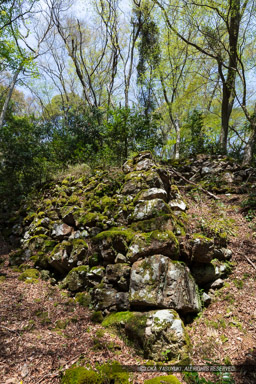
{"x":250,"y":146}
{"x":228,"y":84}
{"x":226,"y":108}
{"x":177,"y":144}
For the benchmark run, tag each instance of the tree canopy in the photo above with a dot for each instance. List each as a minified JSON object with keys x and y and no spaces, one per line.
{"x":173,"y":76}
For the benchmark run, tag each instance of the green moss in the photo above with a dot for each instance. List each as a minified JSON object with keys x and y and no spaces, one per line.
{"x":200,"y":236}
{"x":117,"y":318}
{"x":76,"y":279}
{"x":73,"y":200}
{"x":48,"y":245}
{"x":62,"y":324}
{"x":29,"y":218}
{"x":156,"y":223}
{"x":29,"y":276}
{"x":43,"y":316}
{"x":89,"y":219}
{"x":114,"y":232}
{"x":170,"y":379}
{"x":81,"y":375}
{"x":105,"y":374}
{"x":102,"y":189}
{"x":83,"y":298}
{"x":94,"y":259}
{"x":2,"y":279}
{"x":113,"y":373}
{"x":60,"y":246}
{"x":96,"y":317}
{"x":131,"y":325}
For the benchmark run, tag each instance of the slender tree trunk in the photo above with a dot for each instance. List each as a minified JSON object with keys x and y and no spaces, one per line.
{"x":177,"y":145}
{"x":226,"y":108}
{"x":229,"y":84}
{"x":8,"y":97}
{"x":250,"y":146}
{"x":248,"y":152}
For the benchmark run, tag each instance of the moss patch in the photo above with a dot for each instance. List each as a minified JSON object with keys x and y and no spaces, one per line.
{"x":117,"y":318}
{"x":81,"y":375}
{"x":115,"y":232}
{"x":29,"y":276}
{"x":163,"y":379}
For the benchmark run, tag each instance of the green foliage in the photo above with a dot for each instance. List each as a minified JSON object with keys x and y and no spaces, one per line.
{"x":221,"y":378}
{"x":12,"y":55}
{"x":129,"y":130}
{"x":194,"y":140}
{"x":24,"y":157}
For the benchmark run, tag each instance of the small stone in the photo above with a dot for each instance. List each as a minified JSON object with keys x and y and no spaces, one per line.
{"x":217,"y":284}
{"x":145,"y":165}
{"x":206,"y":299}
{"x":24,"y":371}
{"x":206,"y":170}
{"x":61,"y":230}
{"x":228,"y":177}
{"x":120,"y":258}
{"x":177,"y":204}
{"x":153,"y":193}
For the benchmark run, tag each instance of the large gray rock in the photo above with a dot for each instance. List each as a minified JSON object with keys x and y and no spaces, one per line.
{"x":76,"y":279}
{"x":153,"y":193}
{"x":60,"y":231}
{"x":155,"y":242}
{"x":202,"y":249}
{"x":118,"y":275}
{"x":157,"y":281}
{"x":160,"y":334}
{"x":110,"y":300}
{"x":145,"y":165}
{"x":67,"y":255}
{"x":149,"y":209}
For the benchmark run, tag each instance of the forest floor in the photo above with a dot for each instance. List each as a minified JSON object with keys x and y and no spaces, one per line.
{"x":43,"y":330}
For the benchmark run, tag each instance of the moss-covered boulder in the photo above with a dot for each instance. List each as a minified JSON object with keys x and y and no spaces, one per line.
{"x":152,"y":243}
{"x":95,"y":275}
{"x":66,"y":255}
{"x":113,"y":241}
{"x":157,"y":281}
{"x":108,"y":299}
{"x":202,"y":248}
{"x":76,"y":279}
{"x":159,"y":335}
{"x":111,"y":373}
{"x":118,"y":275}
{"x":81,"y":375}
{"x":161,"y":223}
{"x":150,"y":194}
{"x":150,"y":208}
{"x":29,"y":276}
